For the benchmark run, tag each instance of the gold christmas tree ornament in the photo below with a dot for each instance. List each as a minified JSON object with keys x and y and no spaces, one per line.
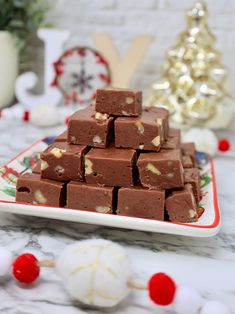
{"x":191,"y":87}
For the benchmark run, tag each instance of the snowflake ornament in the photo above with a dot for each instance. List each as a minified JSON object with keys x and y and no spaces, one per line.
{"x":79,"y":72}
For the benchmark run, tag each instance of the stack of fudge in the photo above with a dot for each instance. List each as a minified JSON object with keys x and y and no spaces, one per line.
{"x":118,"y":158}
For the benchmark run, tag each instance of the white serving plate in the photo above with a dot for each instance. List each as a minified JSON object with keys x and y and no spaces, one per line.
{"x":208,"y":224}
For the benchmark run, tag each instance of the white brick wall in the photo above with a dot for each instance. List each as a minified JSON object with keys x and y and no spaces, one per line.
{"x":164,"y":19}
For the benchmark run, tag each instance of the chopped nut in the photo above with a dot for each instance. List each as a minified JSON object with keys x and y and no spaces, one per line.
{"x":170,"y":175}
{"x":102,"y":209}
{"x":192,"y":213}
{"x":39,"y":197}
{"x":73,"y":139}
{"x":88,"y":166}
{"x":57,"y":152}
{"x":153,"y":169}
{"x":101,"y":116}
{"x":156,"y":141}
{"x":129,"y":100}
{"x":140,"y":127}
{"x":59,"y":170}
{"x":159,"y":121}
{"x":44,"y":165}
{"x":97,"y":139}
{"x":125,"y":113}
{"x":141,"y":146}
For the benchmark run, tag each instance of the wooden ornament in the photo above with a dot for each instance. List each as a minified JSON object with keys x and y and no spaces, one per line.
{"x":122,"y":68}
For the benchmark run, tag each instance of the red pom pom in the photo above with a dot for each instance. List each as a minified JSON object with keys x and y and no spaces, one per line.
{"x":26,"y":116}
{"x":161,"y":289}
{"x":25,"y":268}
{"x":224,"y":145}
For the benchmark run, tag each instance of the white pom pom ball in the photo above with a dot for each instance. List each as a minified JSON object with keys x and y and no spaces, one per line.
{"x":5,"y":261}
{"x":215,"y":307}
{"x":204,"y":139}
{"x":44,"y":115}
{"x":95,"y":272}
{"x":186,"y":300}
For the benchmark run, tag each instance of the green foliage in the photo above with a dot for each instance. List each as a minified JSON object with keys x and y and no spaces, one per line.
{"x":22,"y":18}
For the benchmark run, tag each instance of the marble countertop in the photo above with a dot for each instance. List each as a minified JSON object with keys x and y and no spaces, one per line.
{"x":206,"y":264}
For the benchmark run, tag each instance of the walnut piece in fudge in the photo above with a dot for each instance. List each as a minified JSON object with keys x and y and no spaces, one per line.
{"x":84,"y":196}
{"x":34,"y":190}
{"x":161,"y":170}
{"x":63,"y":162}
{"x":173,"y":139}
{"x":181,"y":205}
{"x":119,"y":101}
{"x":188,"y":149}
{"x":87,"y":127}
{"x":145,"y":132}
{"x":110,"y":166}
{"x":192,"y":177}
{"x":163,"y":118}
{"x":62,"y":137}
{"x":141,"y":202}
{"x":187,"y":162}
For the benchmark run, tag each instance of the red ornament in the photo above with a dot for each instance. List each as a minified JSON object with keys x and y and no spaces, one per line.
{"x":25,"y":268}
{"x":161,"y":289}
{"x":224,"y":145}
{"x":26,"y":116}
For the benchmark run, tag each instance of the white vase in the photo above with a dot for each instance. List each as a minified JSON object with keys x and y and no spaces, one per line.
{"x":8,"y":67}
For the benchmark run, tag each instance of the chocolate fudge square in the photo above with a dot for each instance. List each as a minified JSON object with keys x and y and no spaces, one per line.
{"x":161,"y":170}
{"x":192,"y":177}
{"x":181,"y":205}
{"x":141,"y":202}
{"x":188,"y":149}
{"x":163,"y":118}
{"x":119,"y":101}
{"x":173,"y":139}
{"x":110,"y":166}
{"x":83,"y":196}
{"x":32,"y":189}
{"x":144,"y":133}
{"x":87,"y":127}
{"x":63,"y":162}
{"x":62,"y":137}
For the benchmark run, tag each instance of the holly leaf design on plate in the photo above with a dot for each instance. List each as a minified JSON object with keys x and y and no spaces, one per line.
{"x":11,"y":191}
{"x":205,"y":181}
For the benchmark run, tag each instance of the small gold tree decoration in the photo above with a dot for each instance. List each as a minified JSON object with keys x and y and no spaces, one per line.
{"x":191,"y":87}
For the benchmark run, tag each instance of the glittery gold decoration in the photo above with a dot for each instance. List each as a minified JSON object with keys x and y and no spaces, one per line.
{"x":191,"y":85}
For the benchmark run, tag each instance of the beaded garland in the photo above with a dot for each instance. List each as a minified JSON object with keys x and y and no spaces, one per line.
{"x":105,"y":270}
